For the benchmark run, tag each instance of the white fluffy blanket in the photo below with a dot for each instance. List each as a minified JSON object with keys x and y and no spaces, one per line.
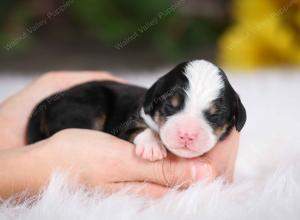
{"x":267,"y":184}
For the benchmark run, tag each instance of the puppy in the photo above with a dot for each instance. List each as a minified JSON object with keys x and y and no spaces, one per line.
{"x":186,"y":111}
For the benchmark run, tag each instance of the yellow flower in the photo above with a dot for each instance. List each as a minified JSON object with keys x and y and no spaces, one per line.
{"x":265,"y":33}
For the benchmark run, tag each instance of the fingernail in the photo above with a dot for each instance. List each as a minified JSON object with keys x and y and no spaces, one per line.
{"x":201,"y":171}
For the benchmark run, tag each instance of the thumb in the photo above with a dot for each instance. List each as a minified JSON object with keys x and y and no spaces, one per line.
{"x":173,"y":171}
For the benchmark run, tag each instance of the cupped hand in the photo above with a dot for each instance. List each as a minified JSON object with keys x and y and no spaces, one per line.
{"x":15,"y":111}
{"x":100,"y":159}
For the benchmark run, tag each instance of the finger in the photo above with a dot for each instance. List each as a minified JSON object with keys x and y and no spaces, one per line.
{"x":59,"y":80}
{"x":85,"y":76}
{"x":127,"y":167}
{"x":171,"y":171}
{"x":141,"y":189}
{"x":223,"y":156}
{"x":46,"y":85}
{"x":53,"y":82}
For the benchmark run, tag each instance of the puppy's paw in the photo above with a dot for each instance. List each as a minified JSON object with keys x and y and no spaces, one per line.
{"x":151,"y":151}
{"x":149,"y":147}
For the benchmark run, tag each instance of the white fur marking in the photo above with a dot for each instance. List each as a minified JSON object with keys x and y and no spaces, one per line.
{"x":149,"y":146}
{"x":149,"y":121}
{"x":204,"y":86}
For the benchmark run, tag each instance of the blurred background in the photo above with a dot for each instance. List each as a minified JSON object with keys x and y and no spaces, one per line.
{"x":141,"y":40}
{"x":42,"y":35}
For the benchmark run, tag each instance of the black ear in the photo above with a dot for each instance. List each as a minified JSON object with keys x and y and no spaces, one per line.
{"x":150,"y":98}
{"x":239,"y":113}
{"x":163,"y":86}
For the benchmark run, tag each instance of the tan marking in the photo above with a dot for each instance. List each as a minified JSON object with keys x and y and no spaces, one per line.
{"x":220,"y":131}
{"x":140,"y":124}
{"x":99,"y":122}
{"x":175,"y":101}
{"x":213,"y":109}
{"x":43,"y":125}
{"x":158,"y":119}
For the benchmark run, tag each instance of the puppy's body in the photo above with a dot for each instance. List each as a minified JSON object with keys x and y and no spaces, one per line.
{"x":185,"y":111}
{"x":100,"y":105}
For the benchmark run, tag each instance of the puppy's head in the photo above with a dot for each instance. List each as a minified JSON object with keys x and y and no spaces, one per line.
{"x":192,"y":107}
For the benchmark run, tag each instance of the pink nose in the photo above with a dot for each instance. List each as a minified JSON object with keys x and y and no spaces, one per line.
{"x":187,"y":137}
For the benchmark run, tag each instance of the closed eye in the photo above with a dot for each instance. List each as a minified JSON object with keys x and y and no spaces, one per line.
{"x":213,"y":117}
{"x":168,"y":108}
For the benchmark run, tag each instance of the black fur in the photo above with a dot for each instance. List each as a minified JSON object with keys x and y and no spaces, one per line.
{"x":230,"y":111}
{"x":79,"y":107}
{"x":157,"y":97}
{"x":115,"y":108}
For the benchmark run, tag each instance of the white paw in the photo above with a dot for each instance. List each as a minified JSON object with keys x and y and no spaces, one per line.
{"x":149,"y":147}
{"x":151,"y":151}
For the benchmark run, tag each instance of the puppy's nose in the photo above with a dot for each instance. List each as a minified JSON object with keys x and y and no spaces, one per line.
{"x":187,"y":137}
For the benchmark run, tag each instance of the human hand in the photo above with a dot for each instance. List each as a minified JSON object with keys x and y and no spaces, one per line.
{"x":101,"y":160}
{"x":15,"y":111}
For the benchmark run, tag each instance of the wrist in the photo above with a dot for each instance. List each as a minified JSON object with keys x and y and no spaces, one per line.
{"x":23,"y":169}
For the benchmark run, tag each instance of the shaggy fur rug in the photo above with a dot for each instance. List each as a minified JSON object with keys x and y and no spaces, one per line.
{"x":267,"y":184}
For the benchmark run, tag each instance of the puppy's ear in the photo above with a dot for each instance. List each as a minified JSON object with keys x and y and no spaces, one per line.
{"x":163,"y":86}
{"x":150,"y":98}
{"x":239,"y":113}
{"x":238,"y":108}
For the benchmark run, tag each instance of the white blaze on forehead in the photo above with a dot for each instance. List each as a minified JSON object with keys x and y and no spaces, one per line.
{"x":204,"y":85}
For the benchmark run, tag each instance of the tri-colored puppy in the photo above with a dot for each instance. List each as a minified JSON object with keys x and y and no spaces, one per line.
{"x":187,"y":111}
